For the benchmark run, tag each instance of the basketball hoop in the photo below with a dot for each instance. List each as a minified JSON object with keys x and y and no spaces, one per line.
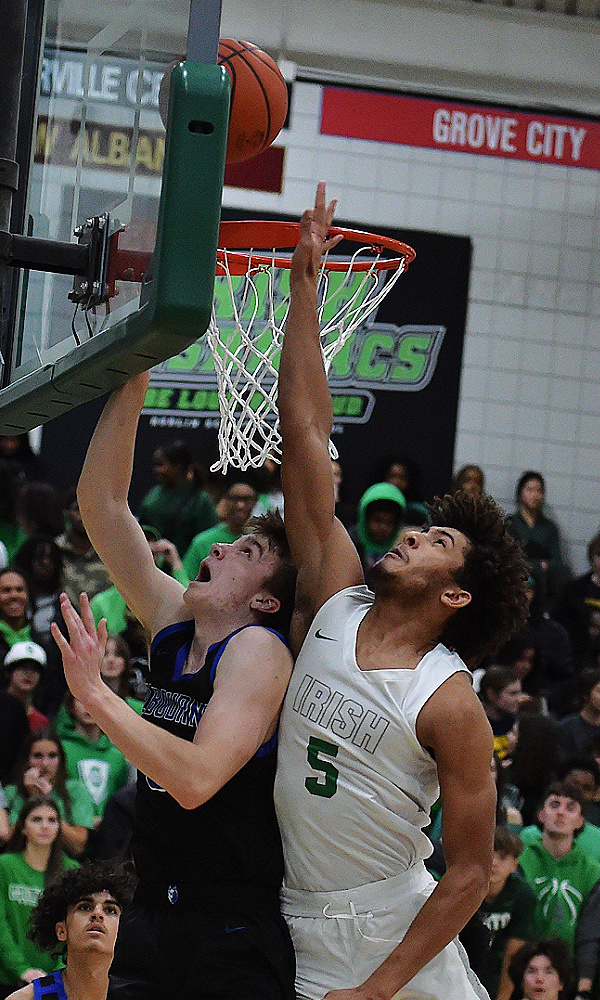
{"x":252,"y":289}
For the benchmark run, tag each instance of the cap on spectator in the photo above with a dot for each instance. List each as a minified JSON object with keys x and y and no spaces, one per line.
{"x":23,"y":652}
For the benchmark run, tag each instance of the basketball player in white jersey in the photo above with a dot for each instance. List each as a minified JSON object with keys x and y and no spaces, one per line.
{"x":380,"y":714}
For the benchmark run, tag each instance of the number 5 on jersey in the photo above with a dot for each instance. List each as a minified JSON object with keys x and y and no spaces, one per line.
{"x":316,"y":751}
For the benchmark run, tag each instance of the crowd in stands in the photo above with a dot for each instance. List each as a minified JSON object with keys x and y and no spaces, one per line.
{"x":66,"y":793}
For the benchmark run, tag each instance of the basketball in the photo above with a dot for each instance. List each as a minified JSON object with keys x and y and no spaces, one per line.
{"x":259,"y":98}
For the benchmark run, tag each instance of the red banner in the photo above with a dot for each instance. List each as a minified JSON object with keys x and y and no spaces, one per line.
{"x":466,"y":128}
{"x":261,"y":173}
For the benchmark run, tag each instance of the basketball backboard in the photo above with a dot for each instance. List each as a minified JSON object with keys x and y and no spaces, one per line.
{"x":100,"y":153}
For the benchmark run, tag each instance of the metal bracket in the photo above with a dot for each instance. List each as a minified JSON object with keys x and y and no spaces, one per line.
{"x":91,"y":289}
{"x":87,"y":259}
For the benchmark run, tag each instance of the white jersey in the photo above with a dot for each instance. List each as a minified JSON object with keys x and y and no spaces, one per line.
{"x":354,"y":787}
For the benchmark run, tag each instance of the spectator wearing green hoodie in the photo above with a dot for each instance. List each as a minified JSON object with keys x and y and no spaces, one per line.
{"x":560,"y":873}
{"x":90,"y":755}
{"x":381,"y":511}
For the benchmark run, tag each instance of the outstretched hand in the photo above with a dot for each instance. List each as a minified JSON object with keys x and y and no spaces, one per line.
{"x":314,"y":241}
{"x":82,"y":656}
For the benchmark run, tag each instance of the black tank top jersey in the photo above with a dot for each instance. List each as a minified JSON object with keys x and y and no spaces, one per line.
{"x":231,"y":840}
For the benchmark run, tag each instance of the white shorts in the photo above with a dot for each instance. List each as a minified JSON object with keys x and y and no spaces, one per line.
{"x":340,"y":938}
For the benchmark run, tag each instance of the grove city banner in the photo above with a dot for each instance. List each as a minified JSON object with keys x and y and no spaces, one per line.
{"x":395,"y":385}
{"x":467,"y":128}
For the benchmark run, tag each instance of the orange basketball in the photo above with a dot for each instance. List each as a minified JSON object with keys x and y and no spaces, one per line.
{"x":259,"y":99}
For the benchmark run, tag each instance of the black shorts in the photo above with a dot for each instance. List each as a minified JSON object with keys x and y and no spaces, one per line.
{"x":165,"y":952}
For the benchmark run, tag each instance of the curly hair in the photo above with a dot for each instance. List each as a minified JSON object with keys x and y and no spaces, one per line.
{"x":73,"y":885}
{"x":494,"y":572}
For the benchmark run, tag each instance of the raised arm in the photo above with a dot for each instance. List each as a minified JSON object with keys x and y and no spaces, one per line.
{"x":326,"y":559}
{"x":154,"y":598}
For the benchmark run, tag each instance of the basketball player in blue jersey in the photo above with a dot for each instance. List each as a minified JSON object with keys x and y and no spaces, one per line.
{"x":77,"y":917}
{"x":380,"y":715}
{"x":205,"y":921}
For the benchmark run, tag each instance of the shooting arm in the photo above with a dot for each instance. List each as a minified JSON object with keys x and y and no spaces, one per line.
{"x":453,"y":725}
{"x":323,"y":553}
{"x":241,"y":716}
{"x":154,"y":598}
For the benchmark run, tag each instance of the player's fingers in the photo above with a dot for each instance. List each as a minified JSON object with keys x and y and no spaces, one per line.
{"x":330,"y":211}
{"x":320,"y":197}
{"x":332,"y":241}
{"x":102,"y":631}
{"x":73,"y":622}
{"x":86,"y":615}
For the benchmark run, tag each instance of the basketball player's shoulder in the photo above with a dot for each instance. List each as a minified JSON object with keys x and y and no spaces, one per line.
{"x":454,"y":725}
{"x":454,"y":703}
{"x":259,"y":645}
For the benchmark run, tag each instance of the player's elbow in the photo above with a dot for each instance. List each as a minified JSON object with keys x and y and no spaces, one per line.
{"x":477,"y":883}
{"x":192,"y":794}
{"x":472,"y":882}
{"x":188,"y":798}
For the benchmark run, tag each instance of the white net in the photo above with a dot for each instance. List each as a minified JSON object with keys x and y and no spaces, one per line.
{"x":246,"y":345}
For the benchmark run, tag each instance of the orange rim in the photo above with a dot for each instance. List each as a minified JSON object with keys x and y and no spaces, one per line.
{"x":237,"y":239}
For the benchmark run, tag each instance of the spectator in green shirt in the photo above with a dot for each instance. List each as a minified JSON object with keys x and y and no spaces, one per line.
{"x":32,"y":858}
{"x":42,"y":771}
{"x":178,"y":507}
{"x":561,"y":875}
{"x":538,"y":535}
{"x":90,"y":756}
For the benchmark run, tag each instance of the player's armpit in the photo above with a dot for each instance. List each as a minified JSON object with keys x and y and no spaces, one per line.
{"x":329,"y":568}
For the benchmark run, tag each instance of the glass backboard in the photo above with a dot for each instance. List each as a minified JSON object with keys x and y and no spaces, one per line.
{"x":100,"y":152}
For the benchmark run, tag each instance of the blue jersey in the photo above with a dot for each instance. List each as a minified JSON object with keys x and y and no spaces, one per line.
{"x":233,"y":839}
{"x":49,"y":988}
